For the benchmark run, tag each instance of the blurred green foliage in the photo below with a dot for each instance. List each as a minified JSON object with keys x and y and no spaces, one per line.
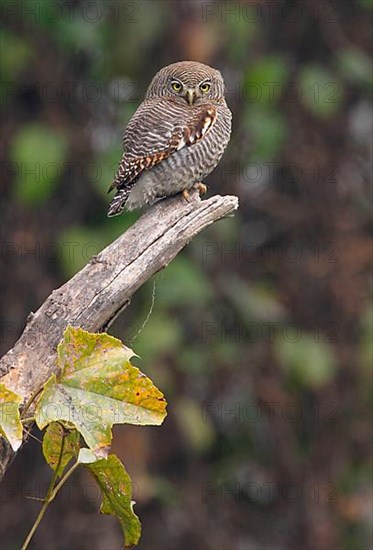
{"x":299,"y":85}
{"x":18,"y":55}
{"x":184,"y":283}
{"x":307,"y":362}
{"x":356,"y":67}
{"x":39,"y":153}
{"x":321,"y":90}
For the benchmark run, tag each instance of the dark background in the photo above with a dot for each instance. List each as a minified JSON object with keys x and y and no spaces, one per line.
{"x":260,"y":332}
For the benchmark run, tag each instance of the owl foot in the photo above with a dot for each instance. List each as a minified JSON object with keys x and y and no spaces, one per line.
{"x":202,"y":188}
{"x":185,"y":194}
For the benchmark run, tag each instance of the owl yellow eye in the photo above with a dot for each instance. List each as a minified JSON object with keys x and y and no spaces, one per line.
{"x":205,"y":87}
{"x":176,"y":86}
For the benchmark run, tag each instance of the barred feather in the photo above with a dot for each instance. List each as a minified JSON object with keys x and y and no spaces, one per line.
{"x":118,"y":203}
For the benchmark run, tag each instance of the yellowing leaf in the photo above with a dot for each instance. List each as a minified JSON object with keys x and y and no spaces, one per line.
{"x":116,"y":487}
{"x":55,"y":437}
{"x":98,"y":388}
{"x":10,"y":421}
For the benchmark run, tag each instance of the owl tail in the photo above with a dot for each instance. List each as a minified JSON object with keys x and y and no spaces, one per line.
{"x":117,"y":204}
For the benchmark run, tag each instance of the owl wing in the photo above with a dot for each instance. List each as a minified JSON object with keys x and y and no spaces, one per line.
{"x":154,"y":133}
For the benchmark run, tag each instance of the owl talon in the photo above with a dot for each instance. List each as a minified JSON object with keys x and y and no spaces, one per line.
{"x":202,"y":188}
{"x":185,"y":194}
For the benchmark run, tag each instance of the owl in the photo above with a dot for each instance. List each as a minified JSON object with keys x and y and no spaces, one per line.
{"x":175,"y":138}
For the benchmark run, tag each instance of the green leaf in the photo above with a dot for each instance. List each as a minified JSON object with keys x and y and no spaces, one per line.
{"x":38,"y":153}
{"x":10,"y":421}
{"x":116,"y":487}
{"x":98,"y":387}
{"x":54,"y":436}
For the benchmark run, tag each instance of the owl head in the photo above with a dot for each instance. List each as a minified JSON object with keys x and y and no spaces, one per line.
{"x":188,"y":82}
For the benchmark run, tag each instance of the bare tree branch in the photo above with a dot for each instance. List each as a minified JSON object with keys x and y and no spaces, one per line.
{"x":104,"y":287}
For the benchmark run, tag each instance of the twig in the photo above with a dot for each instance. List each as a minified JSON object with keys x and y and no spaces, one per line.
{"x":51,"y":493}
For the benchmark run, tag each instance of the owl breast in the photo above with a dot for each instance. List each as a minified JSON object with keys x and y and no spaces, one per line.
{"x":185,"y":167}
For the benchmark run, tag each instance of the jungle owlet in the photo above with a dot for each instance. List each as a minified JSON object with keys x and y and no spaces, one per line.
{"x":175,"y":138}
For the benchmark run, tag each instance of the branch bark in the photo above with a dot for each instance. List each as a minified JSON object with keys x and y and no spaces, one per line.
{"x":94,"y":296}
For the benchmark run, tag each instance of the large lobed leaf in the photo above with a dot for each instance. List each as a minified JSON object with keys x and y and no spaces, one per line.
{"x":98,"y":387}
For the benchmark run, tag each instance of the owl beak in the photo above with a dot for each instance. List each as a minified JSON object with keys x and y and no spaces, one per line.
{"x":190,"y":96}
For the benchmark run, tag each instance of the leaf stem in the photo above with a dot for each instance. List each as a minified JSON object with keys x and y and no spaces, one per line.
{"x":51,"y":493}
{"x":36,"y":524}
{"x":63,"y":479}
{"x":31,"y":400}
{"x":28,"y":419}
